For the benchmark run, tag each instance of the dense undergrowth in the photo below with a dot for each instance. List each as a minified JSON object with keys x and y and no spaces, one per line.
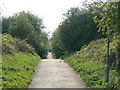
{"x":17,"y":69}
{"x":19,"y":60}
{"x":11,"y":45}
{"x":89,"y":62}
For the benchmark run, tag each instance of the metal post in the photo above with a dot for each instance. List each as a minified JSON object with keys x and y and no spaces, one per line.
{"x":106,"y":77}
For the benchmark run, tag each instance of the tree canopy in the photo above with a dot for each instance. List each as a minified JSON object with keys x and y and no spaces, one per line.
{"x":109,"y":21}
{"x":27,"y":26}
{"x":77,"y":29}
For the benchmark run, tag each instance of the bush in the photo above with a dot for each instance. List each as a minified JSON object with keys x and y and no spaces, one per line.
{"x":11,"y":45}
{"x":19,"y":60}
{"x":89,"y":62}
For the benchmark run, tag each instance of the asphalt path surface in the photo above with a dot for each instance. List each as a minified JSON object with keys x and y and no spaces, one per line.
{"x":55,"y":73}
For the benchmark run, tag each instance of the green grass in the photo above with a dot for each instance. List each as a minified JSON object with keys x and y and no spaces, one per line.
{"x":17,"y":69}
{"x":89,"y":62}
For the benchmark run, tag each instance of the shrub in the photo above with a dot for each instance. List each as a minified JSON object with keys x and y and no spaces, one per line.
{"x":89,"y":62}
{"x":19,"y":60}
{"x":11,"y":45}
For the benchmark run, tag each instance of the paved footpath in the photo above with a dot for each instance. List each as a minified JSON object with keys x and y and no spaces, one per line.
{"x":55,"y":73}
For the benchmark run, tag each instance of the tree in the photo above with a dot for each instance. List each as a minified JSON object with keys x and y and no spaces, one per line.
{"x":109,"y":21}
{"x":26,"y":26}
{"x":57,"y":48}
{"x":20,"y":26}
{"x":36,"y":22}
{"x":77,"y":29}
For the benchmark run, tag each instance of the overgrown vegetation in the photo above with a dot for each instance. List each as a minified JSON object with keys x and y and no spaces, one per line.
{"x":109,"y":21}
{"x":80,"y":27}
{"x":11,"y":45}
{"x":18,"y":69}
{"x":19,"y":60}
{"x":27,"y":26}
{"x":89,"y":62}
{"x":77,"y":29}
{"x":25,"y":39}
{"x":23,"y":45}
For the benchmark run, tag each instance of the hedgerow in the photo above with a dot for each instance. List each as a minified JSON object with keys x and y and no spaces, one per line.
{"x":89,"y":62}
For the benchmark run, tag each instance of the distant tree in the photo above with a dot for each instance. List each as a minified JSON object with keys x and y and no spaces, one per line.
{"x":57,"y":48}
{"x":21,"y":28}
{"x":5,"y":25}
{"x":36,"y":22}
{"x":77,"y":29}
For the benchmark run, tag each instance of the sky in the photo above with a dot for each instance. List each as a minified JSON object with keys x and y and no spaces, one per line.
{"x":50,"y":11}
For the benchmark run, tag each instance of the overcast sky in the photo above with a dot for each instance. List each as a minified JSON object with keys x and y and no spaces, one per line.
{"x":49,"y":10}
